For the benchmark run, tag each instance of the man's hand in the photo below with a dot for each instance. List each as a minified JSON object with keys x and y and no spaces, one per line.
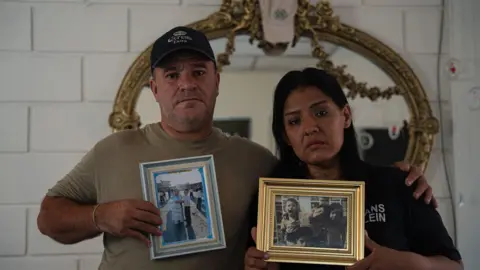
{"x":129,"y":218}
{"x":383,"y":258}
{"x":255,"y":259}
{"x":415,"y":174}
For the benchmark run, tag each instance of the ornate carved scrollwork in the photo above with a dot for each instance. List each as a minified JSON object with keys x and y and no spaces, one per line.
{"x":319,"y":23}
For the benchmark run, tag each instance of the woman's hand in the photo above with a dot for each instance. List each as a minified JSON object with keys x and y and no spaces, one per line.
{"x":255,"y":259}
{"x":383,"y":258}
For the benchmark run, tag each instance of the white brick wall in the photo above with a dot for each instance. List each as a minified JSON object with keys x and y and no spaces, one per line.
{"x":61,"y":62}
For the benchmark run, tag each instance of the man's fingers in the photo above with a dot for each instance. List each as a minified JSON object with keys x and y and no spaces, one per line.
{"x":139,"y":236}
{"x":146,"y":206}
{"x":421,"y":187}
{"x":404,"y":166}
{"x":148,"y":217}
{"x":145,"y":227}
{"x":428,"y":195}
{"x":434,"y":201}
{"x":414,"y":174}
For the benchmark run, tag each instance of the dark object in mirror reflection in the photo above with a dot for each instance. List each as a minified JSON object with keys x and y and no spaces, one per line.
{"x":383,"y":146}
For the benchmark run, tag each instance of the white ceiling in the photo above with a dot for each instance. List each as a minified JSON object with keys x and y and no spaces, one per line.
{"x":249,"y":57}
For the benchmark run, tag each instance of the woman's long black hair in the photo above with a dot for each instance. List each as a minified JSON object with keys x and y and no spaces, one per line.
{"x":290,"y":165}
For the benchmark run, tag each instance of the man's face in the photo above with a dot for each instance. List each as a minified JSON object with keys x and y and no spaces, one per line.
{"x":185,"y":85}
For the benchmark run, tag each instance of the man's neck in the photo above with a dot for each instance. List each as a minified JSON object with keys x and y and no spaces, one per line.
{"x":187,"y":136}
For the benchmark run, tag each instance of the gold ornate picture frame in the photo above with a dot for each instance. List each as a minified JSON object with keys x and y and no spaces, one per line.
{"x":311,"y":221}
{"x":318,"y":23}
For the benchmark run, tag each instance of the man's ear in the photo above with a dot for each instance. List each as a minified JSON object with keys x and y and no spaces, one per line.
{"x":153,"y":84}
{"x":218,"y":83}
{"x":347,"y":113}
{"x":153,"y":87}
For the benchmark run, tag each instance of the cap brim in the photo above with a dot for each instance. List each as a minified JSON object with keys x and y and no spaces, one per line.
{"x":188,"y":48}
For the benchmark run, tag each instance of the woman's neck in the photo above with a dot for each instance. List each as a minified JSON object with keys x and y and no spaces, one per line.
{"x":326,"y":171}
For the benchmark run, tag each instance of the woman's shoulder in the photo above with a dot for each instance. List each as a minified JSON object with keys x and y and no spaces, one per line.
{"x":385,"y":174}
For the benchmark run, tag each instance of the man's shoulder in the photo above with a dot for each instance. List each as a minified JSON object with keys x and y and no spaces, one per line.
{"x":244,"y":144}
{"x":131,"y":137}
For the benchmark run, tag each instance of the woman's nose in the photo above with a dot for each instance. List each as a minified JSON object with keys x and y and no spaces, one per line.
{"x":310,"y":125}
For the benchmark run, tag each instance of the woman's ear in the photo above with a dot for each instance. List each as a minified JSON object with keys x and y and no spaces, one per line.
{"x":347,"y":113}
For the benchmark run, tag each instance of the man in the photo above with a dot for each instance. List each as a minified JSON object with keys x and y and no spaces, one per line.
{"x":187,"y":200}
{"x":176,"y":210}
{"x":103,"y":194}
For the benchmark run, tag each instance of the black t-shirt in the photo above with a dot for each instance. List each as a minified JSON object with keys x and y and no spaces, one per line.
{"x":393,"y":217}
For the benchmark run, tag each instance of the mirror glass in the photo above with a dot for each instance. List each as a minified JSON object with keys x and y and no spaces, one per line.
{"x":244,"y":105}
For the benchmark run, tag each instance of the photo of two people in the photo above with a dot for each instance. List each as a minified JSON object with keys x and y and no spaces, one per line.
{"x":182,"y":206}
{"x":311,"y":221}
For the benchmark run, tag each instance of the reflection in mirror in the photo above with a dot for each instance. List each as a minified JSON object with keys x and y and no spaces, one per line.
{"x":244,"y":105}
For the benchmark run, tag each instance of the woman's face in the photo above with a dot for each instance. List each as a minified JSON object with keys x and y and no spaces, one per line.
{"x":314,"y":125}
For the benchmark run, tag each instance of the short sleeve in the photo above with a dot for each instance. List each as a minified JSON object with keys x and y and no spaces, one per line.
{"x":427,"y":233}
{"x":79,"y":183}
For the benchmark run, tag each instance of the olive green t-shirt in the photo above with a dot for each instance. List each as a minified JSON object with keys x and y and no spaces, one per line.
{"x":110,"y":171}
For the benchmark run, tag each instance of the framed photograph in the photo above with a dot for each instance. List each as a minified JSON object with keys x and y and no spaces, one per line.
{"x":311,"y":221}
{"x":234,"y":126}
{"x":185,"y":191}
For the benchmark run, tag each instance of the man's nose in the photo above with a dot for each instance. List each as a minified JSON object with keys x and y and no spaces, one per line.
{"x":186,"y":81}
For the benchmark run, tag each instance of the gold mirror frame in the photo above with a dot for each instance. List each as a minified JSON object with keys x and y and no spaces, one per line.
{"x":319,"y":24}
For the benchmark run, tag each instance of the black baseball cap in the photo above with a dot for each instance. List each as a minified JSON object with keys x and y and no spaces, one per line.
{"x":180,"y":38}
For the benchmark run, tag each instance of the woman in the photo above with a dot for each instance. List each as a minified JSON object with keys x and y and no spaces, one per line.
{"x":313,"y":129}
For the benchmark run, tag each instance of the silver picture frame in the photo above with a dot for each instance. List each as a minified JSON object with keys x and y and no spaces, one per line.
{"x":185,"y":190}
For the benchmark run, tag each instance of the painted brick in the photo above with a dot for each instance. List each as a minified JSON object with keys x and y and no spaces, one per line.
{"x":39,"y":244}
{"x":103,"y":74}
{"x":446,"y":124}
{"x":50,"y":77}
{"x":13,"y":227}
{"x":149,"y":23}
{"x":16,"y":182}
{"x":15,"y":27}
{"x":402,"y":2}
{"x":68,"y":127}
{"x":90,"y":262}
{"x":445,"y":211}
{"x":341,"y":3}
{"x":14,"y":128}
{"x":314,"y":2}
{"x":39,"y":263}
{"x":134,"y":2}
{"x":422,"y":30}
{"x":203,"y":2}
{"x":436,"y":175}
{"x":425,"y":67}
{"x":79,"y":27}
